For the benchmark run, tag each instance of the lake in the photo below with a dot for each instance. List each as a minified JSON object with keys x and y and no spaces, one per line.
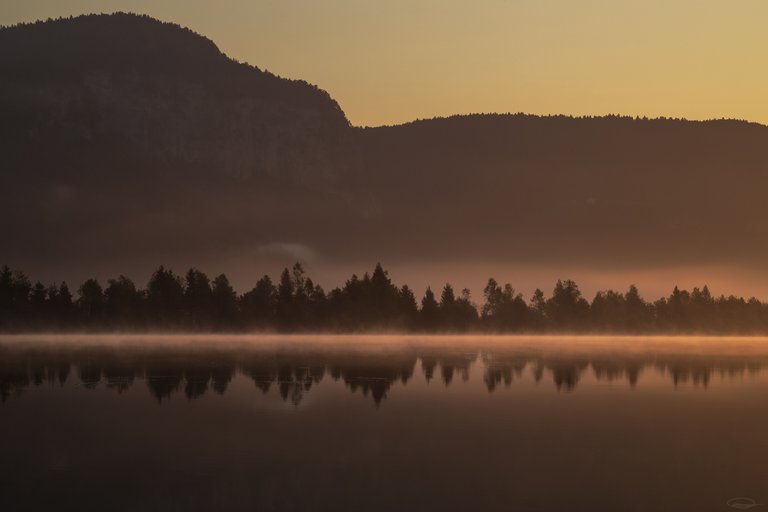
{"x":383,"y":423}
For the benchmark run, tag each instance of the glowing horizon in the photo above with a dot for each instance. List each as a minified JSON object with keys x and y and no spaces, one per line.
{"x":397,"y":62}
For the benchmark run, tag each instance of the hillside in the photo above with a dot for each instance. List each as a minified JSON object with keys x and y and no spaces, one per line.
{"x":122,"y":134}
{"x":129,"y":142}
{"x":158,"y":87}
{"x":604,"y":190}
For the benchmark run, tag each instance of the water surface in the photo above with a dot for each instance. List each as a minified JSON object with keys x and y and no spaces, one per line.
{"x":382,"y":423}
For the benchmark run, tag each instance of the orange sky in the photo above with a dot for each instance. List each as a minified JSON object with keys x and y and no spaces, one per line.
{"x":394,"y":61}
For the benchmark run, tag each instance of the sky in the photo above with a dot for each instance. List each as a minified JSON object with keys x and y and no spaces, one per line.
{"x":393,"y":61}
{"x":389,"y":62}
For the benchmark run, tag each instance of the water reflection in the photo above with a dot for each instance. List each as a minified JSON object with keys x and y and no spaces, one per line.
{"x":294,"y":369}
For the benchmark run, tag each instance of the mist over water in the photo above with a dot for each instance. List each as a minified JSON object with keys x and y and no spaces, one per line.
{"x":382,"y":422}
{"x":156,"y":184}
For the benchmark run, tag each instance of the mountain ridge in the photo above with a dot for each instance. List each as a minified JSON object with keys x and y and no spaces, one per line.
{"x":216,"y":52}
{"x":209,"y":157}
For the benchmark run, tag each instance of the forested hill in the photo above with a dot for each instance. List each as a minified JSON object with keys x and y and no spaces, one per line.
{"x":126,"y":141}
{"x":605,"y":190}
{"x":121,"y":136}
{"x":130,"y":82}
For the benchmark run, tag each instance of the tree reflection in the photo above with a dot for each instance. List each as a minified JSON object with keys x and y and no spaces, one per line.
{"x":90,"y":375}
{"x":163,"y":381}
{"x":295,"y":373}
{"x":119,"y":377}
{"x":498,"y":370}
{"x":613,"y":371}
{"x":566,"y":374}
{"x":375,"y":376}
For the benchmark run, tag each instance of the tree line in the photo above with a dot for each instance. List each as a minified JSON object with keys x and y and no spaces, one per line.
{"x":195,"y":302}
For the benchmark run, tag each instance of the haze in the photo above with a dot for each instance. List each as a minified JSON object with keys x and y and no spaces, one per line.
{"x":395,"y":61}
{"x":160,"y":150}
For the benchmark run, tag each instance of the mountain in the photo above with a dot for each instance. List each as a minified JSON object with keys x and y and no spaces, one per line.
{"x":127,"y":142}
{"x":127,"y":82}
{"x":603,"y":190}
{"x":122,"y":134}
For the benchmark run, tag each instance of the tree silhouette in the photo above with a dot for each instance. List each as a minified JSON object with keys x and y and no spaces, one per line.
{"x":456,"y":314}
{"x":165,"y":297}
{"x":91,"y":301}
{"x":198,"y":298}
{"x":123,"y":303}
{"x":224,"y":303}
{"x":504,"y":309}
{"x":372,"y":302}
{"x":284,"y":308}
{"x":407,"y":306}
{"x":430,"y":312}
{"x":38,"y":297}
{"x":6,"y":288}
{"x":258,"y":306}
{"x":567,"y":309}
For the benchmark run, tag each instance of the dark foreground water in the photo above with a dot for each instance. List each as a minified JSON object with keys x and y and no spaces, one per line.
{"x":383,"y":423}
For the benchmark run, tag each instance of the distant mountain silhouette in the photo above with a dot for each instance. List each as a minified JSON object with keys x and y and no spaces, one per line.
{"x":156,"y":90}
{"x":128,"y":141}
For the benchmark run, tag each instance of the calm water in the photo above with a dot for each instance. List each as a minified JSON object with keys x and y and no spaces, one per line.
{"x":383,"y":423}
